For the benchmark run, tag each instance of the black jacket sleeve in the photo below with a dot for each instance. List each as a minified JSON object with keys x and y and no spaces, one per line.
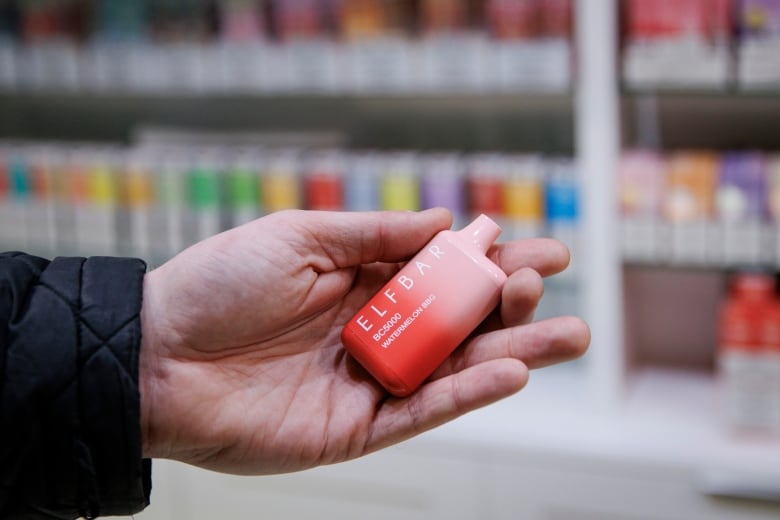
{"x":70,"y":436}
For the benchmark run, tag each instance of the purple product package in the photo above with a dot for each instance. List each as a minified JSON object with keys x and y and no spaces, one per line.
{"x":759,"y":17}
{"x":442,"y":185}
{"x":742,"y":187}
{"x":742,"y":210}
{"x":759,"y":45}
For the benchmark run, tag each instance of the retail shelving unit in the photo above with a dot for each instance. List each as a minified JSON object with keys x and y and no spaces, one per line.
{"x":611,"y":436}
{"x":605,"y":437}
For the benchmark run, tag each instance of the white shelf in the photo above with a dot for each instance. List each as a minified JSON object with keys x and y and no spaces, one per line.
{"x":667,"y":417}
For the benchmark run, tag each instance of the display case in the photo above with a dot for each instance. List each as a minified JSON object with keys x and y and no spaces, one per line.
{"x":636,"y":428}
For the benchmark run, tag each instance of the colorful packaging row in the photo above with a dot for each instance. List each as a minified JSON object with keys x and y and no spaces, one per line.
{"x":749,"y":355}
{"x":252,"y":20}
{"x":700,"y":208}
{"x":701,"y":44}
{"x":359,"y":45}
{"x":152,"y":201}
{"x":341,"y":46}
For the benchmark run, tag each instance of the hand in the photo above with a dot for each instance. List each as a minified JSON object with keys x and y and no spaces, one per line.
{"x":242,"y":369}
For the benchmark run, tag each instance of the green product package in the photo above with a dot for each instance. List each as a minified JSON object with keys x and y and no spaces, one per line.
{"x":203,"y":188}
{"x":243,"y":189}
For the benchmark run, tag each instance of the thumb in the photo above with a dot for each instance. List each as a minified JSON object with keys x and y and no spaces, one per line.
{"x":353,"y":238}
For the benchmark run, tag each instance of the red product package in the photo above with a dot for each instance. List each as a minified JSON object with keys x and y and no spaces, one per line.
{"x":485,"y":195}
{"x":661,"y":19}
{"x":324,"y":191}
{"x":298,"y":18}
{"x":748,"y":337}
{"x":556,"y":18}
{"x":743,"y":313}
{"x":514,"y":19}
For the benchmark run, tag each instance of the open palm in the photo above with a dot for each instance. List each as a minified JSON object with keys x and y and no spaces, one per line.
{"x":242,"y":368}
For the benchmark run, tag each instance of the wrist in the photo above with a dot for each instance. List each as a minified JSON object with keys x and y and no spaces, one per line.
{"x":150,"y":373}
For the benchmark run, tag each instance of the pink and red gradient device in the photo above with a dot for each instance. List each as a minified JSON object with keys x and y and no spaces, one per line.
{"x":408,"y":328}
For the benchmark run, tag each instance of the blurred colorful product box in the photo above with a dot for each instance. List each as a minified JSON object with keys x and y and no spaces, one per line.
{"x":640,"y":181}
{"x":442,"y":185}
{"x":678,"y":43}
{"x":523,"y":197}
{"x":741,"y":201}
{"x":759,"y":44}
{"x":399,"y":189}
{"x":361,"y":182}
{"x":15,"y":190}
{"x":562,"y":212}
{"x":688,"y":204}
{"x":323,"y":182}
{"x":748,"y":355}
{"x":532,"y":42}
{"x":378,"y":55}
{"x":280,"y":181}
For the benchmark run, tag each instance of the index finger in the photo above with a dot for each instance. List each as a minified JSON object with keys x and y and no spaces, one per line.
{"x":347,"y":239}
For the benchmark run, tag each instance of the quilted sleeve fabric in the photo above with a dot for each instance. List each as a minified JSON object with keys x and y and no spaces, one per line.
{"x":70,"y":436}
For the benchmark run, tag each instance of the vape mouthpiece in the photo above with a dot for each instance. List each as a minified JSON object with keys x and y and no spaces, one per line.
{"x":482,"y":232}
